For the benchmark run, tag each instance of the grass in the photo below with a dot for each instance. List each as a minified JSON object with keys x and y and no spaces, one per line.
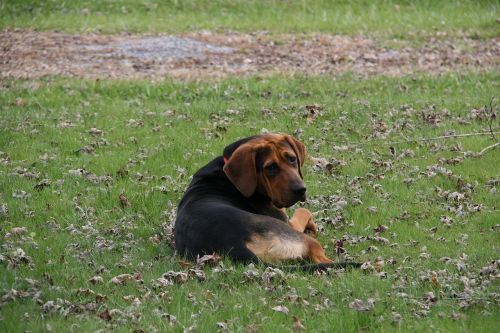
{"x":76,"y":228}
{"x":399,"y":19}
{"x":62,"y":225}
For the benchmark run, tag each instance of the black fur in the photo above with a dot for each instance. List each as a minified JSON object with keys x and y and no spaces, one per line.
{"x":213,"y":216}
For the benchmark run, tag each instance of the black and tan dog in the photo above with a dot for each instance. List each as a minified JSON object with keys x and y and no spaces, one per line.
{"x":235,"y":205}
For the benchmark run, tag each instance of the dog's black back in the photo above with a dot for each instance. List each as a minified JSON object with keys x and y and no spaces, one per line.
{"x":213,"y":216}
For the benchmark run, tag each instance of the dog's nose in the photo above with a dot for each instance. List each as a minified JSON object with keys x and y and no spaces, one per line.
{"x":300,"y":191}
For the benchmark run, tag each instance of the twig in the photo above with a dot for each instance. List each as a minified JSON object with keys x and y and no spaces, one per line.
{"x":311,"y":268}
{"x":446,"y":137}
{"x":492,"y":117}
{"x":488,"y":148}
{"x":434,"y":138}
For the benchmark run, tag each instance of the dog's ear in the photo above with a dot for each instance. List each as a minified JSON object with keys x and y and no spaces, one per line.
{"x":241,"y":169}
{"x":299,"y":149}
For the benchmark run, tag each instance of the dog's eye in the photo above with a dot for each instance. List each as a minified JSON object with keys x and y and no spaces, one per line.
{"x":272,"y":167}
{"x":292,"y":159}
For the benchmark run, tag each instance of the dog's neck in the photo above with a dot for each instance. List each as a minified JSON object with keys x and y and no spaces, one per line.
{"x":263,"y":205}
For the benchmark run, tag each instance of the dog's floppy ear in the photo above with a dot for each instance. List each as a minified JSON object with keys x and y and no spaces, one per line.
{"x":299,"y":149}
{"x":241,"y":170}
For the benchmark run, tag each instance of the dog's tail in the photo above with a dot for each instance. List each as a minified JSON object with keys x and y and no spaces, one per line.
{"x":311,"y":268}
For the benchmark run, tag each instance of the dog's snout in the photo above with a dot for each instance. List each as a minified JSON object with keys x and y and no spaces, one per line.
{"x":299,"y":189}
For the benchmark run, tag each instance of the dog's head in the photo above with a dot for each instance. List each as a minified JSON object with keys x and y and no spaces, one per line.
{"x":271,"y":165}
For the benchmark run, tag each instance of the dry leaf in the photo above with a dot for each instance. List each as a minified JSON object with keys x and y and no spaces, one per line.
{"x":359,"y":305}
{"x":396,"y":318}
{"x":96,"y":280}
{"x":124,"y":201}
{"x":121,"y":279}
{"x":105,"y":315}
{"x":210,"y":259}
{"x":281,"y":308}
{"x":94,"y":131}
{"x":297,"y":325}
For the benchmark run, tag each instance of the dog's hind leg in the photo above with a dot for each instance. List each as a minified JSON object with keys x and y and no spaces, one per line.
{"x":242,"y":254}
{"x":315,"y":251}
{"x":303,"y":220}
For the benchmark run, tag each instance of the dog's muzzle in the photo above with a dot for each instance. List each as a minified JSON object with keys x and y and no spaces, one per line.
{"x":299,"y":192}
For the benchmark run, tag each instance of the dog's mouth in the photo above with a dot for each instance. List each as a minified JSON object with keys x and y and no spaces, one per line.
{"x":290,"y":202}
{"x":301,"y":198}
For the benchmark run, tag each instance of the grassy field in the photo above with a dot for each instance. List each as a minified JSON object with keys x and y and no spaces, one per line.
{"x":91,"y":172}
{"x":400,"y":19}
{"x":154,"y":136}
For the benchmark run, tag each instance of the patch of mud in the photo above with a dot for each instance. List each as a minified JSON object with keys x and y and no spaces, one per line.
{"x":28,"y":54}
{"x":162,"y":48}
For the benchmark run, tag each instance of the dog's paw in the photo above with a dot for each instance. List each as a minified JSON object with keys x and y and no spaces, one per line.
{"x":305,"y":218}
{"x":312,"y":228}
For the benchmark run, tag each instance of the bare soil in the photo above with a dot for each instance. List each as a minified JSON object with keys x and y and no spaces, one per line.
{"x":204,"y":55}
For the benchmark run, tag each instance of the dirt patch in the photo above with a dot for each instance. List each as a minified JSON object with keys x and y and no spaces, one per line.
{"x":27,"y":54}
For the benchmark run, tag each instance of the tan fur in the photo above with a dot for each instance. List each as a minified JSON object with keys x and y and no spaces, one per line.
{"x":302,"y":220}
{"x":241,"y":171}
{"x":275,"y":249}
{"x":315,"y":251}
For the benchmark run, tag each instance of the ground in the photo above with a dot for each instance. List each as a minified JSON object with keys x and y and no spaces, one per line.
{"x":29,"y":54}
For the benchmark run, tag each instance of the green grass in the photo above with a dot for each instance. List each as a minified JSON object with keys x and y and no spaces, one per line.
{"x":400,"y":19}
{"x":76,"y":229}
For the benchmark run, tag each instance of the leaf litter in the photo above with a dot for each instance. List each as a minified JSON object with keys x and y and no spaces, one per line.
{"x":460,"y":281}
{"x":30,"y":54}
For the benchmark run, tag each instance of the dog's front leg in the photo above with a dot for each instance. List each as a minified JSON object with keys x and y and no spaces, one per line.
{"x":302,"y":220}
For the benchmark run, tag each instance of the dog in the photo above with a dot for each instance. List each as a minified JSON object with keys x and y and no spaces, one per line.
{"x":235,"y":205}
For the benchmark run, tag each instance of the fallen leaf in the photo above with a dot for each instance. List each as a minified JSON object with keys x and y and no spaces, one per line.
{"x":210,"y":259}
{"x":121,"y":279}
{"x":396,"y":318}
{"x":381,"y":228}
{"x":435,"y":281}
{"x":281,"y":308}
{"x":94,"y":131}
{"x":379,"y":263}
{"x":177,"y":277}
{"x":367,"y":266}
{"x":184,"y":263}
{"x":96,"y":280}
{"x":359,"y":305}
{"x":123,"y":201}
{"x":105,"y":315}
{"x":170,"y":318}
{"x":100,"y":298}
{"x":429,"y":297}
{"x":23,"y":195}
{"x":297,"y":325}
